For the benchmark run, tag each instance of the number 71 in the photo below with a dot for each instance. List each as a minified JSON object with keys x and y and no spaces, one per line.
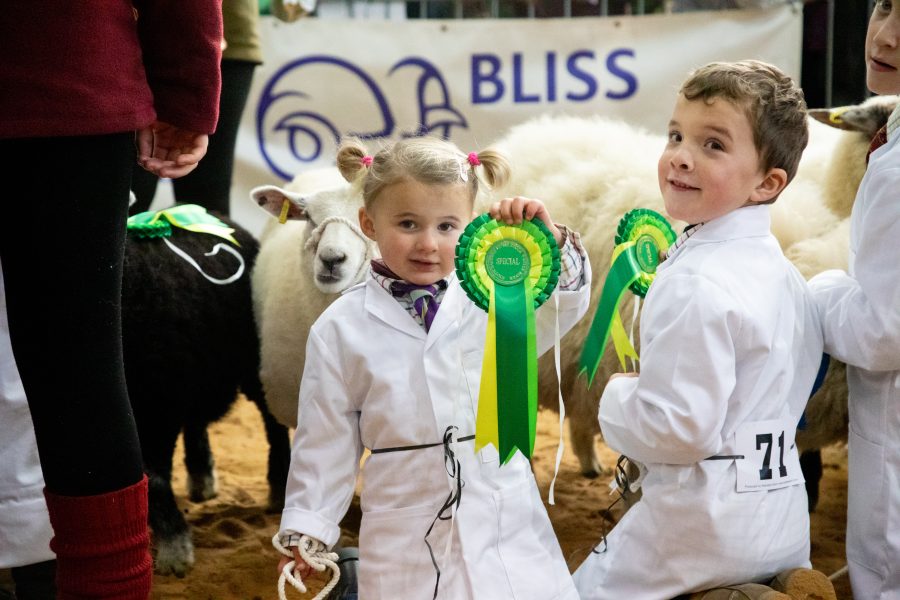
{"x":766,"y":438}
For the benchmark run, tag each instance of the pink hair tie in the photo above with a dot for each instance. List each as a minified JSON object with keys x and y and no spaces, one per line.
{"x":473,"y":159}
{"x":366,"y":161}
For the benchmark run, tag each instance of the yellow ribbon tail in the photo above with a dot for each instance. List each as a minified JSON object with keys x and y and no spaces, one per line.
{"x":216,"y":230}
{"x":621,"y":343}
{"x":486,"y":429}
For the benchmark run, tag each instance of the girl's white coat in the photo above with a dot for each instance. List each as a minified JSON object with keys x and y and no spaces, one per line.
{"x":373,"y":378}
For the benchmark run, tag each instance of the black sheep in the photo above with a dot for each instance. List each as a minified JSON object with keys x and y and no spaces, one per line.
{"x":190,"y":344}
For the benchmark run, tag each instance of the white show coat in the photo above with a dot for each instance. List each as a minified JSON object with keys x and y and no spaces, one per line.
{"x":861,"y":317}
{"x":729,"y":335}
{"x":25,"y":530}
{"x":373,"y":378}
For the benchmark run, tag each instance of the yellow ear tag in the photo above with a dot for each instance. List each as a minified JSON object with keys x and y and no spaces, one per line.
{"x":835,"y":115}
{"x":285,"y":207}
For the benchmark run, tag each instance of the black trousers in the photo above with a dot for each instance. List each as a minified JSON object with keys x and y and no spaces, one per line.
{"x":209,"y":185}
{"x":35,"y":582}
{"x":62,"y":236}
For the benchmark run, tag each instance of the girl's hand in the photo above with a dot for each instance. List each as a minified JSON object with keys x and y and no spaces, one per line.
{"x":301,"y":568}
{"x":513,"y":211}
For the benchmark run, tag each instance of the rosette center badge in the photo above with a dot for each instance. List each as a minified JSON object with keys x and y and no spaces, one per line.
{"x":507,"y":262}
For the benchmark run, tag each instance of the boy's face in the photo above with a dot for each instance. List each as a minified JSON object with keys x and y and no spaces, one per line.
{"x":710,"y":165}
{"x":883,"y":48}
{"x":417,"y":226}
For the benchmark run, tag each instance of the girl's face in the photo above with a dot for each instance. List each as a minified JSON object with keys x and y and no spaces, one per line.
{"x":417,"y":226}
{"x":710,"y":165}
{"x":883,"y":48}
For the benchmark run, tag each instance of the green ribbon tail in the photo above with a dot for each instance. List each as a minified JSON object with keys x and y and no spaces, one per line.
{"x":513,"y":421}
{"x":531,"y":348}
{"x":624,"y":270}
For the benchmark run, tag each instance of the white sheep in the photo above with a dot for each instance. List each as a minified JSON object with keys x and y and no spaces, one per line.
{"x":303,"y":265}
{"x":590,"y":171}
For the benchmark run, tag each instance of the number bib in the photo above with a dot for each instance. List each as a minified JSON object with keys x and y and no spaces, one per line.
{"x":770,"y":458}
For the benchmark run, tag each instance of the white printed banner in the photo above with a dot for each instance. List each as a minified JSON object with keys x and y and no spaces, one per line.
{"x":471,"y":80}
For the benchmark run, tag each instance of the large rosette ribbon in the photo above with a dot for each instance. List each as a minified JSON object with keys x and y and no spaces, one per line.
{"x":508,"y":271}
{"x":641,"y":236}
{"x":158,"y":224}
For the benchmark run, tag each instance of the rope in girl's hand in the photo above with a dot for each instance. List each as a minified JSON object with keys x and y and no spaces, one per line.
{"x":314,"y":554}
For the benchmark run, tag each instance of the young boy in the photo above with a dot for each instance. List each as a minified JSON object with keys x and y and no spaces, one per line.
{"x":730,"y":347}
{"x":861,"y":319}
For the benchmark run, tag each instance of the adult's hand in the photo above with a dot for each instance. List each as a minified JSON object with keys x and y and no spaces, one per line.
{"x":170,"y":151}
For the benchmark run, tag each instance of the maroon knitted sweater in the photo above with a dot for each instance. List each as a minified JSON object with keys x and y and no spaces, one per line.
{"x":108,"y":66}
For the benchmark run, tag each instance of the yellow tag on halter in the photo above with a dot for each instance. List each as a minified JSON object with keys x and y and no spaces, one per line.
{"x":285,"y":207}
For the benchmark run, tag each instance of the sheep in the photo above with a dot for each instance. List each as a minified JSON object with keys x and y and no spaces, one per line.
{"x":303,"y":265}
{"x":189,"y":345}
{"x":590,"y":171}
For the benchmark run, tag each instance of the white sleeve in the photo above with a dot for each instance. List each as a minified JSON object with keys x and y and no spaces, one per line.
{"x":326,"y":449}
{"x":573,"y":303}
{"x":675,"y":410}
{"x":861,"y":314}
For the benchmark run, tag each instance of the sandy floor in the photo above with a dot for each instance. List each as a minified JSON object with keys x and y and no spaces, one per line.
{"x":235,"y":560}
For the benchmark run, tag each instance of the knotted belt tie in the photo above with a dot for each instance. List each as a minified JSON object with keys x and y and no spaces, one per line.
{"x":454,"y":470}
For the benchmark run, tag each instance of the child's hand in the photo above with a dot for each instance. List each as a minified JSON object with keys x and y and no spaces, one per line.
{"x":513,"y":211}
{"x":301,"y":568}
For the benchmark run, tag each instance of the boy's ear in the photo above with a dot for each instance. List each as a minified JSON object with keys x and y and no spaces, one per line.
{"x":773,"y":183}
{"x":366,"y":224}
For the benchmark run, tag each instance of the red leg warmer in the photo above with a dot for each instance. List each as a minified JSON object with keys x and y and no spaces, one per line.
{"x":102,"y":544}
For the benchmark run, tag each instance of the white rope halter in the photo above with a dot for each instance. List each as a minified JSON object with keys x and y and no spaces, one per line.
{"x":314,"y":554}
{"x":316,"y":234}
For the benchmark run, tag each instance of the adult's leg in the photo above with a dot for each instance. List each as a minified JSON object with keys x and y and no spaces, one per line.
{"x":61,"y":246}
{"x":209,"y":184}
{"x":35,"y":582}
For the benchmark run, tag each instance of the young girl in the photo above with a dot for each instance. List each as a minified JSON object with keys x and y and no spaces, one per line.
{"x":394,"y":366}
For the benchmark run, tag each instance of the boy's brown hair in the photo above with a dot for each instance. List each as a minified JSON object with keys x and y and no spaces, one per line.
{"x":773,"y":103}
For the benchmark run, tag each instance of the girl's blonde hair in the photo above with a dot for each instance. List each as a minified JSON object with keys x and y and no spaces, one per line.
{"x":428,"y":160}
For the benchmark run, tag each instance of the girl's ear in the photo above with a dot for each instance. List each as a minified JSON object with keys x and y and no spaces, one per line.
{"x":772,"y":184}
{"x":366,"y":224}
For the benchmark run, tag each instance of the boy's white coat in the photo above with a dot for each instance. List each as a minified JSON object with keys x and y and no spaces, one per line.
{"x":373,"y":378}
{"x":861,"y":314}
{"x":730,"y":335}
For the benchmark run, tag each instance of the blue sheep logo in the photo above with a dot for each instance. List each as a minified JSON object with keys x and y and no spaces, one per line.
{"x":293,"y":130}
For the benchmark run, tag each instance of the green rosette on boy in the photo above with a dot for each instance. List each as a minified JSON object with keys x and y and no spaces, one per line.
{"x":508,"y":271}
{"x":642,"y":235}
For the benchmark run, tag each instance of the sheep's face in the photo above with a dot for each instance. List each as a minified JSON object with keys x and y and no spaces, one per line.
{"x":334,"y":245}
{"x":333,"y":249}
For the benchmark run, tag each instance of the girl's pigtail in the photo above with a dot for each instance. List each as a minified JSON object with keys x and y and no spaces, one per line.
{"x":494,"y":165}
{"x":352,"y":159}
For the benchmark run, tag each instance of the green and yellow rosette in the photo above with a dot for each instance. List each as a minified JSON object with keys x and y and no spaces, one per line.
{"x":508,"y":271}
{"x":640,"y":238}
{"x":158,"y":224}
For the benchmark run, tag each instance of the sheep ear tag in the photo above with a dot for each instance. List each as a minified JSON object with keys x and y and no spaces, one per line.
{"x":508,"y":271}
{"x":641,"y":236}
